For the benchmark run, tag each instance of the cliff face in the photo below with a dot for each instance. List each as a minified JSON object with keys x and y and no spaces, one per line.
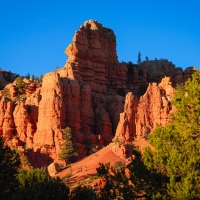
{"x":158,"y":69}
{"x":6,"y":118}
{"x":93,"y":59}
{"x":83,"y":95}
{"x":141,"y":115}
{"x":70,"y":103}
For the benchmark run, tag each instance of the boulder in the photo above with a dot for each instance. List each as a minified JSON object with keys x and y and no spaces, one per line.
{"x":53,"y":169}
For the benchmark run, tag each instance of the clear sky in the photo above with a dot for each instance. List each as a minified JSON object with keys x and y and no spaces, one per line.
{"x":35,"y":33}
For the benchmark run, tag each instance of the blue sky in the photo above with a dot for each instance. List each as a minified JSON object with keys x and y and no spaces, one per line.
{"x":35,"y":33}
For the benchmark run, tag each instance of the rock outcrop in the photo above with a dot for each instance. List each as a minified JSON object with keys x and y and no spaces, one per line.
{"x":53,"y":169}
{"x":93,"y":59}
{"x":6,"y":118}
{"x":70,"y":103}
{"x":88,"y":94}
{"x":6,"y":78}
{"x":141,"y":115}
{"x":157,"y":69}
{"x":19,"y":119}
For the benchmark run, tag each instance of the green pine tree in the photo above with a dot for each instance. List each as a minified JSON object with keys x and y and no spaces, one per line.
{"x":19,"y":84}
{"x":37,"y":184}
{"x":67,"y":149}
{"x":170,"y":170}
{"x":177,"y":146}
{"x":9,"y":163}
{"x":139,"y":58}
{"x":83,"y":192}
{"x":6,"y":93}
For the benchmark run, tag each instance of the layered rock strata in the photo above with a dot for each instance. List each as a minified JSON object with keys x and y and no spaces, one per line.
{"x":93,"y":59}
{"x":155,"y":70}
{"x":141,"y":115}
{"x":70,"y":103}
{"x":88,"y":95}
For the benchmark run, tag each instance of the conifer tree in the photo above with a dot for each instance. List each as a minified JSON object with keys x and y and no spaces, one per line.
{"x":37,"y":184}
{"x":67,"y":149}
{"x":19,"y":84}
{"x":83,"y":192}
{"x":171,"y":170}
{"x":6,"y":92}
{"x":9,"y":163}
{"x":177,"y":146}
{"x":139,"y":58}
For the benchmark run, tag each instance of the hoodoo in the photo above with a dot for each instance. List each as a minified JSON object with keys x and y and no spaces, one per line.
{"x":88,"y":94}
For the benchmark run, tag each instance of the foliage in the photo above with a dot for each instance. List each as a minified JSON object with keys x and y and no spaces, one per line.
{"x":6,"y":93}
{"x":40,"y":79}
{"x":17,"y":184}
{"x":19,"y":81}
{"x":25,"y":162}
{"x":37,"y":184}
{"x":132,"y":182}
{"x":139,"y":58}
{"x":19,"y":84}
{"x":93,"y":150}
{"x":9,"y":163}
{"x":116,"y":140}
{"x":27,"y":76}
{"x":119,"y":165}
{"x":172,"y":169}
{"x":67,"y":150}
{"x":83,"y":192}
{"x":116,"y":183}
{"x":177,"y":146}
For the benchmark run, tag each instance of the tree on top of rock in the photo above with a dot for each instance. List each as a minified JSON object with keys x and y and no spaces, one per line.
{"x":19,"y":84}
{"x":139,"y":58}
{"x":67,"y":150}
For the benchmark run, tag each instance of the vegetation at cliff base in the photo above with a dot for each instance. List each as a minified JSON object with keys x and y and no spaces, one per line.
{"x":9,"y":163}
{"x":172,"y":169}
{"x":17,"y":183}
{"x":177,"y":146}
{"x":67,"y":149}
{"x":37,"y":184}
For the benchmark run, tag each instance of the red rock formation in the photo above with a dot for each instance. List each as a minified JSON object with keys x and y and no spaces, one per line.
{"x":141,"y":116}
{"x":93,"y":58}
{"x":69,"y":103}
{"x":22,"y":122}
{"x":126,"y":129}
{"x":158,"y":69}
{"x":84,"y":96}
{"x":119,"y":149}
{"x":6,"y":118}
{"x":51,"y":113}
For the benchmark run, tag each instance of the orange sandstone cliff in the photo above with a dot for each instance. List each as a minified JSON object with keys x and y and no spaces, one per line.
{"x":88,"y":95}
{"x":141,"y":115}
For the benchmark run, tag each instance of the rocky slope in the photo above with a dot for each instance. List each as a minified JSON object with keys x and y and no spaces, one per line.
{"x":88,"y":95}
